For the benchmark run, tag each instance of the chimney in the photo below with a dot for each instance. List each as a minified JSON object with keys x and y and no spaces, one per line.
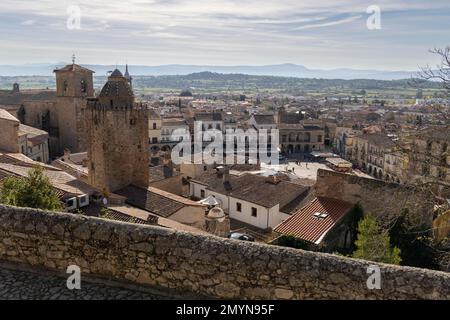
{"x":66,"y":156}
{"x":167,"y":166}
{"x":16,"y":88}
{"x":226,"y":175}
{"x":273,"y":179}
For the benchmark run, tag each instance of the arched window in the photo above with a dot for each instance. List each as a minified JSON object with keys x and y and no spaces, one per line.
{"x":83,"y":86}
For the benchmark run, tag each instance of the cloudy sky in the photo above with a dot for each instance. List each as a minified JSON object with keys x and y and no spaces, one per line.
{"x":321,"y":34}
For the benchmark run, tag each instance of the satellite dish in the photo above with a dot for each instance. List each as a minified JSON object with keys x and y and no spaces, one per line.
{"x":210,"y":201}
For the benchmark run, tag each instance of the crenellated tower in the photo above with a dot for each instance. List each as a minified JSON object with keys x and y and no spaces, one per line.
{"x":117,"y":130}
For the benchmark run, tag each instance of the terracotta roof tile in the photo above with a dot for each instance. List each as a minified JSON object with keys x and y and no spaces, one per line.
{"x":305,"y":225}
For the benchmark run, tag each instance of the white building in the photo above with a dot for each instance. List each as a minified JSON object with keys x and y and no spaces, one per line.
{"x":263,"y":202}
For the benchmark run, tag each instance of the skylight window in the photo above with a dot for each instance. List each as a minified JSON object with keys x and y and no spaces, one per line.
{"x":320,"y":215}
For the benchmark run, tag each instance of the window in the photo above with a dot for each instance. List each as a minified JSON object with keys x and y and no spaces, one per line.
{"x":154,"y":140}
{"x":202,"y":194}
{"x":254,"y":212}
{"x":65,"y":86}
{"x":83,"y":86}
{"x":238,"y":207}
{"x":218,"y":126}
{"x":154,"y":126}
{"x":319,"y":138}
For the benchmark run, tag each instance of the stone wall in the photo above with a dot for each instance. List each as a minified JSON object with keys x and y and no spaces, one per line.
{"x":118,"y":149}
{"x":377,"y":197}
{"x":9,"y":137}
{"x":205,"y":265}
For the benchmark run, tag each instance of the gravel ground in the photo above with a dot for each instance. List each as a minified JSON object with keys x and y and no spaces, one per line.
{"x":24,"y":285}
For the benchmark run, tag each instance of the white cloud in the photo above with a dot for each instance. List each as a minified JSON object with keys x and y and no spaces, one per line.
{"x":221,"y":31}
{"x":28,"y":22}
{"x":329,"y":24}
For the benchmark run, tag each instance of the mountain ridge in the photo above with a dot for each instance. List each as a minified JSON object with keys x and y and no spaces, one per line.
{"x":282,"y":70}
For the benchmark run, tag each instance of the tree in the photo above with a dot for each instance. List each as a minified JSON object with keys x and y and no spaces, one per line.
{"x":33,"y":191}
{"x":419,"y":94}
{"x":373,"y":243}
{"x":440,"y":73}
{"x":186,"y":93}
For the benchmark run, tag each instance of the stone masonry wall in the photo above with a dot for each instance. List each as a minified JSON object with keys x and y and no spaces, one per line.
{"x":377,"y":197}
{"x":205,"y":265}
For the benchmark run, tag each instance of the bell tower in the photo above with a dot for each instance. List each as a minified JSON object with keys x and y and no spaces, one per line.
{"x":74,"y":81}
{"x":74,"y":84}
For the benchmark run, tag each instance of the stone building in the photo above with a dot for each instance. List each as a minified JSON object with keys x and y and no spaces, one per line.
{"x":18,"y":138}
{"x":117,"y":131}
{"x":10,"y":131}
{"x":298,"y":135}
{"x":429,"y":157}
{"x":34,"y":143}
{"x":368,"y":153}
{"x":154,"y":127}
{"x":301,"y":138}
{"x":59,"y":113}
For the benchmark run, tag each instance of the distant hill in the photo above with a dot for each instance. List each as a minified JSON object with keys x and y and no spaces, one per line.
{"x":281,"y":70}
{"x":210,"y":81}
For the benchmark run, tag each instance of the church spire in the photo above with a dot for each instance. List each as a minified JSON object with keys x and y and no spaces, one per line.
{"x":127,"y":75}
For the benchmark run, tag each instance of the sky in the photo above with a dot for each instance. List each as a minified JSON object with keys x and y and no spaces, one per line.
{"x":320,"y":34}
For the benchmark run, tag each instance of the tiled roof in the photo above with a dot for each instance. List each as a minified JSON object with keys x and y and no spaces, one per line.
{"x":115,"y":89}
{"x":213,"y":116}
{"x":264,"y":119}
{"x":118,"y":216}
{"x":255,"y":189}
{"x":150,"y":201}
{"x":19,"y":98}
{"x":5,"y":115}
{"x":305,"y":225}
{"x":73,"y":67}
{"x":174,"y":122}
{"x":379,"y":139}
{"x":34,"y":135}
{"x":435,"y":133}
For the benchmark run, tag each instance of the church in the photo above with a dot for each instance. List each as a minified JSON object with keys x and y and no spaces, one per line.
{"x":58,"y":113}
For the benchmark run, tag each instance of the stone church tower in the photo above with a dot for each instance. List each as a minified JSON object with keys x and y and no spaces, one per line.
{"x":117,"y":131}
{"x":74,"y":84}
